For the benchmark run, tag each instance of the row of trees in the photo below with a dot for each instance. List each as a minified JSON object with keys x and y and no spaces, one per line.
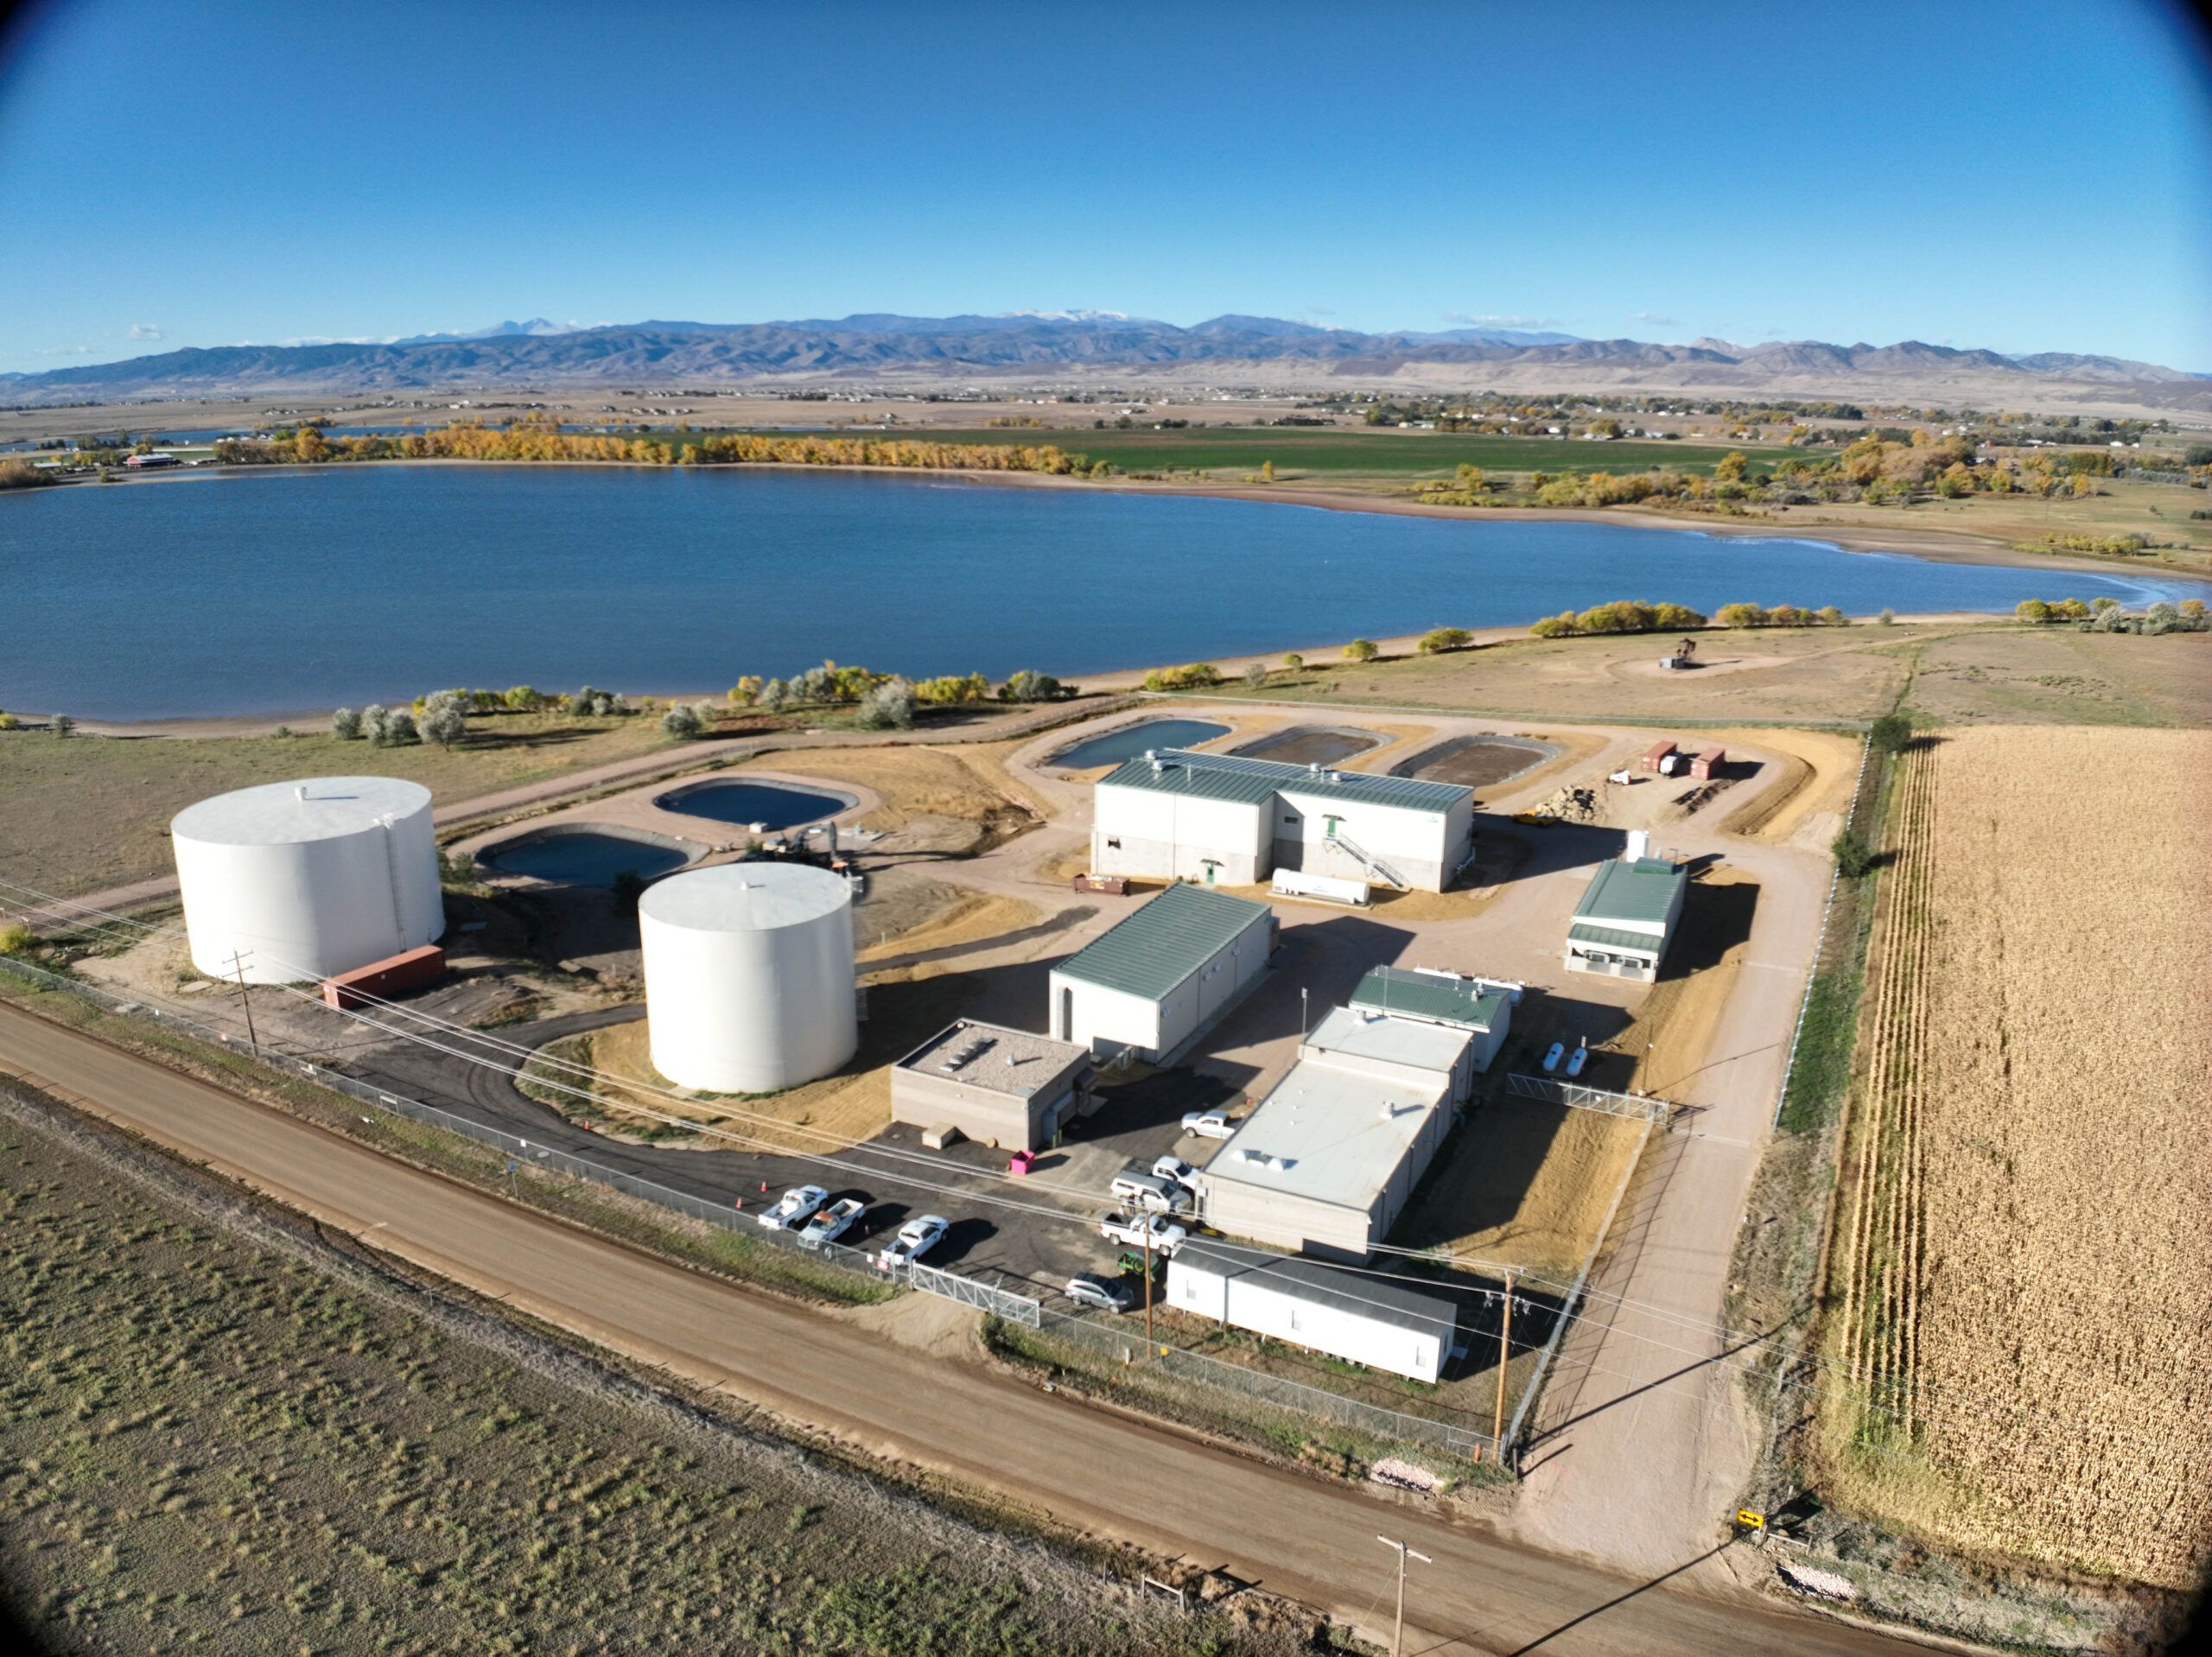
{"x":543,"y":440}
{"x":2108,"y":615}
{"x":1636,"y":616}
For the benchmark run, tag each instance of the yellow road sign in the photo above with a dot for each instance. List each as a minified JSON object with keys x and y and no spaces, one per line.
{"x":1749,"y":1520}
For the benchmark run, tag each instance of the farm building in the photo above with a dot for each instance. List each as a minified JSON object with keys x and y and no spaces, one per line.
{"x":1480,"y":1007}
{"x":1370,"y":1321}
{"x":1326,"y":1161}
{"x":1160,"y":976}
{"x":1627,"y":917}
{"x":1004,"y":1087}
{"x":1223,"y":819}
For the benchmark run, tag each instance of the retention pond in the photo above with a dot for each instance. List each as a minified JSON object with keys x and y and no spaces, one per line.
{"x":587,"y":855}
{"x":1129,"y":742}
{"x":1475,"y":761}
{"x":764,"y":805}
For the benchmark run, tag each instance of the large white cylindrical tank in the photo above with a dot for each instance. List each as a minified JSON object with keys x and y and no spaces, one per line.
{"x":303,"y":880}
{"x":748,"y":975}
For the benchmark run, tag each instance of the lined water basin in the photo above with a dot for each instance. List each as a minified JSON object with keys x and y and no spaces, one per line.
{"x":753,"y":804}
{"x":1112,"y":747}
{"x":588,"y":855}
{"x":1310,"y":744}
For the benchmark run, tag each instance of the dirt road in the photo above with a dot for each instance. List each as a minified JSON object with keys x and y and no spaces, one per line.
{"x":1091,"y":1469}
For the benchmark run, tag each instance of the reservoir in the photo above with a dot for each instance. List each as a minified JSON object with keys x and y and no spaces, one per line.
{"x":287,"y":591}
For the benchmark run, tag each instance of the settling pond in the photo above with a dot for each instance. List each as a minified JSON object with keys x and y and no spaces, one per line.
{"x":586,"y":855}
{"x":1310,"y":744}
{"x":285,"y":590}
{"x":770,"y":805}
{"x":1130,"y":740}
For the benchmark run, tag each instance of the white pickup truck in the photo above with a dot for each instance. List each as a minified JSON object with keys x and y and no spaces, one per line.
{"x":1132,"y":1228}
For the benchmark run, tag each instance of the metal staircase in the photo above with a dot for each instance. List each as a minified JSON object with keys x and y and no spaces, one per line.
{"x":1373,"y":865}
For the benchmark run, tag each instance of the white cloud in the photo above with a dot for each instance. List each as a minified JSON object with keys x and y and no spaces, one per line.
{"x":1655,"y":320}
{"x":1491,"y":319}
{"x":145,"y":331}
{"x":63,"y":351}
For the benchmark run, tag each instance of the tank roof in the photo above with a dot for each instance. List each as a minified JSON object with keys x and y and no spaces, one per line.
{"x":312,"y":808}
{"x":748,"y":896}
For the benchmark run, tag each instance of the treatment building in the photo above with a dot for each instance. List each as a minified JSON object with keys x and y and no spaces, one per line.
{"x":1223,"y":819}
{"x":1627,"y":917}
{"x":1324,"y":1164}
{"x":1162,"y":974}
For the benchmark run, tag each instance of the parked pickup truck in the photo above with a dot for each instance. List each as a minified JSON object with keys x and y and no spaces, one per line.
{"x":1138,"y":1187}
{"x":831,"y":1223}
{"x":1133,"y":1230}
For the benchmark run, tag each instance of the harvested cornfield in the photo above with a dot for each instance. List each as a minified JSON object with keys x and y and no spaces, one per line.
{"x":2019,"y":1351}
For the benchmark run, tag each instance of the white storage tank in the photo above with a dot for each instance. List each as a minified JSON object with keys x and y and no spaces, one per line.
{"x":299,"y":880}
{"x":748,"y":975}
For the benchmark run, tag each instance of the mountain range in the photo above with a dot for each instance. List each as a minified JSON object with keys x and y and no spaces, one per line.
{"x":1070,"y":347}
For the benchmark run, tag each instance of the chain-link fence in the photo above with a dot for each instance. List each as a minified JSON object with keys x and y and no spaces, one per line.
{"x":521,"y":1152}
{"x":1127,"y":1344}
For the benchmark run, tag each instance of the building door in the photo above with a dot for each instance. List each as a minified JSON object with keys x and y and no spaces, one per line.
{"x":1067,"y":1013}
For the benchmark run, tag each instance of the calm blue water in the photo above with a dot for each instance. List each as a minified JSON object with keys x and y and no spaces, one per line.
{"x":585,"y":858}
{"x":1131,"y":741}
{"x":271,"y":592}
{"x":773,"y":805}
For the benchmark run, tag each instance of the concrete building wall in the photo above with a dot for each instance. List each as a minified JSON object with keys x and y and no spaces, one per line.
{"x":1161,"y":836}
{"x":986,"y":1116}
{"x":1484,"y":1047}
{"x":1271,"y":1307}
{"x":1091,"y":1015}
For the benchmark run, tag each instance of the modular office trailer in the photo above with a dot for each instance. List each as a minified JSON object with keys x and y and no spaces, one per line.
{"x":1362,"y":1320}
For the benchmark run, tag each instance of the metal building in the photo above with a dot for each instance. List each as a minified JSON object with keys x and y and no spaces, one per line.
{"x":748,"y":973}
{"x":1627,"y":917}
{"x":1226,"y":819}
{"x":1326,"y":1162}
{"x":1370,"y":1321}
{"x":299,"y":880}
{"x":1481,"y":1007}
{"x":1164,"y":974}
{"x":1005,"y":1087}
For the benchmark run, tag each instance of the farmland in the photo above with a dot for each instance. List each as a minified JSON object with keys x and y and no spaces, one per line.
{"x":218,"y":1430}
{"x":2018,"y":1350}
{"x":1399,"y":455}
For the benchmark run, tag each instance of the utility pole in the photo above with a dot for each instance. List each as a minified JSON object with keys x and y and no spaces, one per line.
{"x":1505,"y":1351}
{"x":1398,"y":1630}
{"x":245,"y":1001}
{"x":1146,"y":1222}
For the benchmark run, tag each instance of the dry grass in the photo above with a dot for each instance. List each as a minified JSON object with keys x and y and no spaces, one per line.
{"x":968,"y":781}
{"x":2020,"y":1347}
{"x":91,"y":812}
{"x":214,"y":1430}
{"x":1524,"y":1183}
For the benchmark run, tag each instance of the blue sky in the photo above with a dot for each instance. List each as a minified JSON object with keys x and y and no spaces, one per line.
{"x":2026,"y":178}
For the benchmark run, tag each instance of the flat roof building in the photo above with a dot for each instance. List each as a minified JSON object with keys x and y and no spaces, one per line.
{"x":1481,"y":1008}
{"x":1001,"y":1087}
{"x":1627,"y":917}
{"x":1164,"y":974}
{"x":1223,"y":819}
{"x":1324,"y":1164}
{"x":1370,"y":1321}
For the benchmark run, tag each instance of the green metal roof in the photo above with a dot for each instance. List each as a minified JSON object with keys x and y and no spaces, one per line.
{"x":1612,"y":938}
{"x":1424,"y":995}
{"x":1642,"y":891}
{"x":1230,"y":777}
{"x":1163,"y":943}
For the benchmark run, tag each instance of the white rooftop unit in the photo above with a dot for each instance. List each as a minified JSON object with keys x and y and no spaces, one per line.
{"x":305,"y":879}
{"x":748,"y":975}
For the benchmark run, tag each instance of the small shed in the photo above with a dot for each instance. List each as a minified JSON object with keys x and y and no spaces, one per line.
{"x":1656,"y":755}
{"x":1709,"y":764}
{"x":1364,"y":1320}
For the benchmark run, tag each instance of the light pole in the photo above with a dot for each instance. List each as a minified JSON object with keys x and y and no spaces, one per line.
{"x":1398,"y":1629}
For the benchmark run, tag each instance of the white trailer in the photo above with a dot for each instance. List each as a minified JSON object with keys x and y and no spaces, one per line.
{"x":1364,"y":1320}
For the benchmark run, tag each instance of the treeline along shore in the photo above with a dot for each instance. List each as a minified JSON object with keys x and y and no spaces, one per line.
{"x":544,"y":441}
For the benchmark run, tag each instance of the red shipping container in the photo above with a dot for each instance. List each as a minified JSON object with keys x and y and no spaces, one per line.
{"x":1703,"y":766}
{"x":382,"y":979}
{"x":1657,"y":752}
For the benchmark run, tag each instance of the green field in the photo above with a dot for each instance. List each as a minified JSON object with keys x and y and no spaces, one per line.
{"x":1395,"y":454}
